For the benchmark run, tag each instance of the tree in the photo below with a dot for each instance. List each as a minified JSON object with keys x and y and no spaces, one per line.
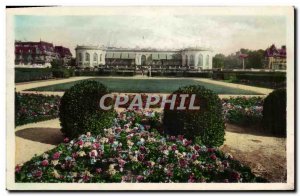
{"x":219,"y":61}
{"x":57,"y":63}
{"x":255,"y":59}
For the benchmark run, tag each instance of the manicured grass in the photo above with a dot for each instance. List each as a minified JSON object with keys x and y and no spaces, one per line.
{"x":132,"y":85}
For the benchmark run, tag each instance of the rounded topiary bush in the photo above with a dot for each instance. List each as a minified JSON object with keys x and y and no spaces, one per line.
{"x":205,"y":126}
{"x":79,"y":110}
{"x":274,"y":113}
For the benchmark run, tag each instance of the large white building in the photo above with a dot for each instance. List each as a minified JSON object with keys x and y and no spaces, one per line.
{"x":191,"y":58}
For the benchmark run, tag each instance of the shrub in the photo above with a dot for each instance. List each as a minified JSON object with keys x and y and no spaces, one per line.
{"x":79,"y":109}
{"x":274,"y":112}
{"x":31,"y":74}
{"x":206,"y":125}
{"x":63,"y":73}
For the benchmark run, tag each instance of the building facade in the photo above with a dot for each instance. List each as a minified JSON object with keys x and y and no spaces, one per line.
{"x":191,"y":58}
{"x":275,"y":58}
{"x":39,"y":53}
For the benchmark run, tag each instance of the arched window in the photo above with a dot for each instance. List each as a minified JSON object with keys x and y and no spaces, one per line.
{"x":87,"y":57}
{"x":143,"y":60}
{"x":191,"y":60}
{"x":80,"y":56}
{"x":186,"y":60}
{"x":200,"y":60}
{"x":100,"y":57}
{"x":207,"y":61}
{"x":95,"y":57}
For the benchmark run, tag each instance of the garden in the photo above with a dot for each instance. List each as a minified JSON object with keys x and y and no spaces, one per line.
{"x":144,"y":145}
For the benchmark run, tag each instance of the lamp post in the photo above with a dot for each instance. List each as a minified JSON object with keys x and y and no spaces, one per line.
{"x":243,"y":56}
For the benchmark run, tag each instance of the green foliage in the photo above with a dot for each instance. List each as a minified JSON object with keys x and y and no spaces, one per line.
{"x":31,"y":74}
{"x":56,"y":64}
{"x":274,"y":112}
{"x":264,"y":79}
{"x":219,"y":61}
{"x":96,"y":122}
{"x":62,"y":72}
{"x":206,"y":124}
{"x":80,"y":110}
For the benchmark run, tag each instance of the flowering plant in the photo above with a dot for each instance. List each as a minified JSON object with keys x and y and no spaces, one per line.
{"x":33,"y":108}
{"x":243,"y":110}
{"x":133,"y":150}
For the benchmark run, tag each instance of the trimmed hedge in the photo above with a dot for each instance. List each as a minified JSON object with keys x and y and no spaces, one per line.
{"x":63,"y":73}
{"x":181,"y":74}
{"x":31,"y":74}
{"x":205,"y":126}
{"x":80,"y":112}
{"x":274,"y":112}
{"x":265,"y":79}
{"x":102,"y":72}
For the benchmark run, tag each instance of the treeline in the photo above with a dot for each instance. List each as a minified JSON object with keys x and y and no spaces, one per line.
{"x":254,"y":59}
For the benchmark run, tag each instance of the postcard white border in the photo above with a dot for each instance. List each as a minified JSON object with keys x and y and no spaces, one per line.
{"x":287,"y":11}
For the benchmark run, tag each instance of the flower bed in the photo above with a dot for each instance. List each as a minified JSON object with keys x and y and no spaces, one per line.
{"x":33,"y":108}
{"x":133,"y":150}
{"x":242,"y":110}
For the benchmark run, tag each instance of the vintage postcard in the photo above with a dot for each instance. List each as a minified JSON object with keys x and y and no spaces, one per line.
{"x":150,"y":98}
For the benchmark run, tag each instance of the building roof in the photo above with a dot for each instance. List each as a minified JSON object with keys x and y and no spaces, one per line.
{"x":272,"y":51}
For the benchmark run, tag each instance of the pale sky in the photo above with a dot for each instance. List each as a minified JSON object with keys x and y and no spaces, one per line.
{"x":224,"y":34}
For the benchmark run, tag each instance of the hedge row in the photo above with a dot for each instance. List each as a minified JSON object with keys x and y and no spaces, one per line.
{"x":31,"y":74}
{"x":104,"y":73}
{"x":183,"y":74}
{"x":258,"y":76}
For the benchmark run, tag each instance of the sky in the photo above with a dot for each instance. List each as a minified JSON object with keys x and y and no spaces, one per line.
{"x":223,"y":34}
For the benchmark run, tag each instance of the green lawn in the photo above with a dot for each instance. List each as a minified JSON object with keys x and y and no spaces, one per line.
{"x":132,"y":85}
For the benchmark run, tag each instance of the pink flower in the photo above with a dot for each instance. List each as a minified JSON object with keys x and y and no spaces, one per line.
{"x":225,"y":163}
{"x":174,"y":147}
{"x":98,"y":170}
{"x":93,"y":153}
{"x":213,"y":156}
{"x":194,"y":156}
{"x":96,"y":145}
{"x":141,"y":157}
{"x":197,"y":148}
{"x":38,"y":174}
{"x":18,"y":168}
{"x":180,"y":137}
{"x":56,"y":155}
{"x":80,"y":142}
{"x":139,"y":178}
{"x":142,"y":148}
{"x":210,"y":150}
{"x":121,"y":162}
{"x":45,"y":163}
{"x":66,"y":140}
{"x":147,"y":127}
{"x":192,"y":178}
{"x":235,"y":175}
{"x":182,"y":163}
{"x":172,"y":138}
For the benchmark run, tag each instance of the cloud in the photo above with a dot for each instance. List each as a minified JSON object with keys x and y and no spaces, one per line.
{"x":225,"y":34}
